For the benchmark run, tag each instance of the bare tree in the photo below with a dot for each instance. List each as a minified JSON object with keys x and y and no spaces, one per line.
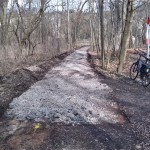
{"x":126,"y":34}
{"x":101,"y":11}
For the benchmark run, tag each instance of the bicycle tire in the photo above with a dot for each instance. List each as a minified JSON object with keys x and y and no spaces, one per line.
{"x":134,"y":71}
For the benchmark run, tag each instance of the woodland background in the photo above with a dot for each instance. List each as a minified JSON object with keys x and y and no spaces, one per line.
{"x":35,"y":30}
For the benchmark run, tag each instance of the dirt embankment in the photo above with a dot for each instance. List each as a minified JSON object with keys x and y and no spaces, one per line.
{"x":15,"y":83}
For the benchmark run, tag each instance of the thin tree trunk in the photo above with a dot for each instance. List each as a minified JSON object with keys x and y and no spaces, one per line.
{"x":69,"y":27}
{"x":123,"y":13}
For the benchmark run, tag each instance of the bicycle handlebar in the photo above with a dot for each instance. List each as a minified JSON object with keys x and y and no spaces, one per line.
{"x":143,"y":54}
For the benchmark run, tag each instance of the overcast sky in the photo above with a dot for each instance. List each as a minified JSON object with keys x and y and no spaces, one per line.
{"x":73,"y":3}
{"x":10,"y":1}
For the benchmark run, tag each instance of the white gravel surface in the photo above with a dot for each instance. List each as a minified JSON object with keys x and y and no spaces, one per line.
{"x":69,"y":93}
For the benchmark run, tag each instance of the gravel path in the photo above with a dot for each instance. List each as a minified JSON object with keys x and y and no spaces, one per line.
{"x":77,"y":111}
{"x":69,"y":93}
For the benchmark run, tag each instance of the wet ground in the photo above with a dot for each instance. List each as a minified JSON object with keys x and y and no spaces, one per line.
{"x":78,"y":109}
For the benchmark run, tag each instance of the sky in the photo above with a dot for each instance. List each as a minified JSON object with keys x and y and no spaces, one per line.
{"x":10,"y":2}
{"x":53,"y":2}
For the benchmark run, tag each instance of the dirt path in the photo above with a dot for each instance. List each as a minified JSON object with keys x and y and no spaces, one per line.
{"x":75,"y":109}
{"x":135,"y":102}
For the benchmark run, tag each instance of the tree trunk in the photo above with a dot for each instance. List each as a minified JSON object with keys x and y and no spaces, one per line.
{"x":123,"y":13}
{"x":126,"y":35}
{"x":101,"y":10}
{"x":3,"y":21}
{"x":69,"y":26}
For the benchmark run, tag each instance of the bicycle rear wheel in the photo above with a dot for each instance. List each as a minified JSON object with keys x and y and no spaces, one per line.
{"x":145,"y":80}
{"x":134,"y":71}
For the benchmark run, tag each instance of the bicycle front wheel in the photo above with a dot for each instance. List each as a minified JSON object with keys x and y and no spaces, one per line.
{"x":134,"y":71}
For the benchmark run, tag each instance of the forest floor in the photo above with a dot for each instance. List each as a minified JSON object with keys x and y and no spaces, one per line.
{"x":75,"y":106}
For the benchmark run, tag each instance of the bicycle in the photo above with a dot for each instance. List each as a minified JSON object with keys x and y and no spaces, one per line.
{"x":141,"y":68}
